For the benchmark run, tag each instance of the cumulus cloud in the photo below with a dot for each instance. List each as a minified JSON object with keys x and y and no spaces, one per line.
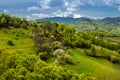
{"x":40,"y":15}
{"x":91,"y":2}
{"x":71,"y":9}
{"x":33,"y":8}
{"x":76,"y":3}
{"x":76,"y":15}
{"x":108,"y":2}
{"x":6,"y":11}
{"x":70,"y":6}
{"x":60,"y":13}
{"x":66,"y":3}
{"x":73,"y":3}
{"x":28,"y":17}
{"x":45,"y":4}
{"x":111,"y":2}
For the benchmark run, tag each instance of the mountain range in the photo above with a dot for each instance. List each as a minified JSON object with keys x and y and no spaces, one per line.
{"x":70,"y":20}
{"x":67,"y":20}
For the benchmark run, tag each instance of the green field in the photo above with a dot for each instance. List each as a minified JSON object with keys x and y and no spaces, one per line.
{"x":20,"y":38}
{"x":101,"y":68}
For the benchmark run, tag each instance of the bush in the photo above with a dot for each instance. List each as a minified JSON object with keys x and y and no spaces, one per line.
{"x":68,"y":51}
{"x":10,"y":43}
{"x":118,"y":51}
{"x":57,"y":45}
{"x":24,"y":66}
{"x":58,"y":52}
{"x":68,"y":59}
{"x":43,"y":56}
{"x":56,"y":62}
{"x":113,"y":58}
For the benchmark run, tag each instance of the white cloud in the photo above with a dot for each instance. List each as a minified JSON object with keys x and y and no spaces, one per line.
{"x":76,"y":3}
{"x":76,"y":16}
{"x":40,"y":15}
{"x":108,"y":2}
{"x":71,"y":9}
{"x":111,"y":2}
{"x":33,"y":8}
{"x":28,"y":17}
{"x":91,"y":2}
{"x":45,"y":4}
{"x":73,"y":3}
{"x":60,"y":13}
{"x":65,"y":3}
{"x":6,"y":11}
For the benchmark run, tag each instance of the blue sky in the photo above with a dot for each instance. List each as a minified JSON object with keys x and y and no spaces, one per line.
{"x":35,"y":9}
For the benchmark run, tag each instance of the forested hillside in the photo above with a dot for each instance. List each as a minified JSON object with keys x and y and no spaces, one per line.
{"x":67,"y":20}
{"x":48,"y":50}
{"x":102,"y":27}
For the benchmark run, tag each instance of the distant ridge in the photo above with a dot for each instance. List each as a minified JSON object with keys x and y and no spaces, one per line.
{"x":71,"y":20}
{"x":67,"y":20}
{"x":111,"y":20}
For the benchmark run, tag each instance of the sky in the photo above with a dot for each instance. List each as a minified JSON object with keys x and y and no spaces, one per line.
{"x":37,"y":9}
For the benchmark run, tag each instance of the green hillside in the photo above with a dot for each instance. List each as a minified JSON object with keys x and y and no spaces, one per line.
{"x":55,"y":51}
{"x":98,"y":27}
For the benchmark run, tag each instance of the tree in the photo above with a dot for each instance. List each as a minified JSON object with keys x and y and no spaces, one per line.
{"x":23,"y":25}
{"x":93,"y":51}
{"x":17,"y":22}
{"x":3,"y":21}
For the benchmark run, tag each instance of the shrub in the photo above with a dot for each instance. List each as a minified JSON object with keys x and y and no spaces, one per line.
{"x":113,"y":58}
{"x":47,"y":48}
{"x":58,"y":52}
{"x":43,"y":56}
{"x":57,"y":45}
{"x":56,"y":62}
{"x":68,"y":59}
{"x":68,"y":51}
{"x":10,"y":43}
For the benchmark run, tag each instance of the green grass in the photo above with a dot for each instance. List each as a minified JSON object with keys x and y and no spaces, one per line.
{"x":22,"y":41}
{"x":101,"y":68}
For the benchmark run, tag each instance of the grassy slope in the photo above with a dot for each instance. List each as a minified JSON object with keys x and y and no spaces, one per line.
{"x":22,"y":41}
{"x":100,"y":68}
{"x":88,"y":26}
